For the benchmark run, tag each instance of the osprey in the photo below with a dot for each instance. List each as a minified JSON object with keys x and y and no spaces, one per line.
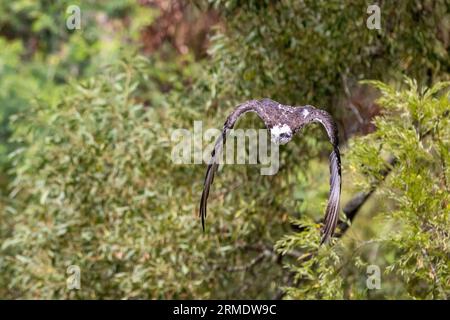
{"x":283,"y":122}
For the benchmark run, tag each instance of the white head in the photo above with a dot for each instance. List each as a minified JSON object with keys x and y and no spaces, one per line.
{"x":281,"y":134}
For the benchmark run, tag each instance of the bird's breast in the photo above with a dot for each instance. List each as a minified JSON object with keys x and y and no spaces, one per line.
{"x":281,"y":133}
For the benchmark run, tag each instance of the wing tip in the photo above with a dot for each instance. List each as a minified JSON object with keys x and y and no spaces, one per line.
{"x":203,"y":223}
{"x":327,"y":234}
{"x":202,"y":211}
{"x":324,"y":240}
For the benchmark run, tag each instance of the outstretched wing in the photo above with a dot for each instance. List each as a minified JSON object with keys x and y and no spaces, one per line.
{"x":332,"y":211}
{"x":271,"y":112}
{"x":249,"y":106}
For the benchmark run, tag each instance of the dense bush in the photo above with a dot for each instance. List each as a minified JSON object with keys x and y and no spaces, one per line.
{"x":407,"y":235}
{"x":93,"y":183}
{"x":39,"y":54}
{"x":95,"y":187}
{"x":300,"y":52}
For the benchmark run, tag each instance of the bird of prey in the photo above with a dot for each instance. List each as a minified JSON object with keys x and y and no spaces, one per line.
{"x":283,"y":122}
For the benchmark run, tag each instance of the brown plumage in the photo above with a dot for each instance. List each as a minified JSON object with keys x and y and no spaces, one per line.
{"x":276,"y":116}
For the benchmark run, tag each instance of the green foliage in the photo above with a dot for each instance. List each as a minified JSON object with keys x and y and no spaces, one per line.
{"x":99,"y":134}
{"x":20,"y":83}
{"x":93,"y":183}
{"x":95,"y":187}
{"x":299,"y":52}
{"x":46,"y":20}
{"x":415,"y":129}
{"x":39,"y":54}
{"x":411,"y":241}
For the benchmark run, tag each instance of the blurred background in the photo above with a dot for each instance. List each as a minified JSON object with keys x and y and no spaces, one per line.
{"x":86,"y":176}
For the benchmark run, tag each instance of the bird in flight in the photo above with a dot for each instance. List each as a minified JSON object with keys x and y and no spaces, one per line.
{"x":283,"y":122}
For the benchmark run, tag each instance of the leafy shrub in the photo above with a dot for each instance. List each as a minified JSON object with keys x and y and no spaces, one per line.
{"x":94,"y":184}
{"x":409,"y":227}
{"x":39,"y":54}
{"x":95,"y":187}
{"x":299,"y":52}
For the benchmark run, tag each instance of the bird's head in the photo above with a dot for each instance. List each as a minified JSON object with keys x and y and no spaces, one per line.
{"x":281,"y":134}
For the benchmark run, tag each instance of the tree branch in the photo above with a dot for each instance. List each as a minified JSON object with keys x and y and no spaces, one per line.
{"x":352,"y":207}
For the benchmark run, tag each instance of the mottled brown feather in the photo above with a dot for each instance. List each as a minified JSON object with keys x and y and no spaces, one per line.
{"x":276,"y":114}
